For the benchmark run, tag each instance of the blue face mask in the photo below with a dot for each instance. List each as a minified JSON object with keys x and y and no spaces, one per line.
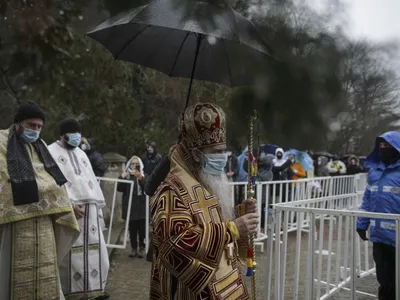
{"x":30,"y":135}
{"x":214,"y":163}
{"x":74,"y":139}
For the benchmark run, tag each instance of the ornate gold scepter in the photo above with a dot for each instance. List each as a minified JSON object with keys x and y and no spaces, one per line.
{"x":252,"y":173}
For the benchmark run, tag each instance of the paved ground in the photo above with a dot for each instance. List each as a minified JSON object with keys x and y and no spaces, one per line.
{"x":129,"y":277}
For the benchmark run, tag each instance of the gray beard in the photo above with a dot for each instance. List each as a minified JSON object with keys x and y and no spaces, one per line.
{"x":219,"y":186}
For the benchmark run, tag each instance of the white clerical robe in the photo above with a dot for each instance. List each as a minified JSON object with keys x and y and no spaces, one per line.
{"x":84,"y":271}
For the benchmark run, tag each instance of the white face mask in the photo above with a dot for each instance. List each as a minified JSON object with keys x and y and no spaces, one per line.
{"x":84,"y":147}
{"x":214,"y":163}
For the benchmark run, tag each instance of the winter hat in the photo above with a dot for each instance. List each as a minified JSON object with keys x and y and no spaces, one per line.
{"x":29,"y":110}
{"x":69,"y":126}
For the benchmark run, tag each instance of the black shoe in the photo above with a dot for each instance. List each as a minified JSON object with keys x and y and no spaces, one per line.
{"x":141,"y":253}
{"x":134,"y":253}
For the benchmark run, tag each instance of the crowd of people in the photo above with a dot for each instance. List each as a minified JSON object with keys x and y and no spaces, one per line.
{"x":51,"y":223}
{"x":278,"y":168}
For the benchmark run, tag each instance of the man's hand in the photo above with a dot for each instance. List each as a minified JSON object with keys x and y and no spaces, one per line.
{"x":79,"y":211}
{"x":247,"y":224}
{"x":249,"y":206}
{"x":124,"y":175}
{"x":229,"y":174}
{"x":137,"y":174}
{"x":363,"y":234}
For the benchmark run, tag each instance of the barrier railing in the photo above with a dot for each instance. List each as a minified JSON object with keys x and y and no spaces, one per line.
{"x":332,"y":260}
{"x":115,"y":182}
{"x":266,"y":193}
{"x":276,"y":192}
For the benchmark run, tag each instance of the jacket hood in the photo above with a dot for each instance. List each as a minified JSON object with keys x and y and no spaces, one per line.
{"x":279,"y":150}
{"x":353,"y":157}
{"x":92,"y":144}
{"x":266,"y":159}
{"x":245,"y":150}
{"x":324,"y":161}
{"x":128,"y":164}
{"x":393,"y":138}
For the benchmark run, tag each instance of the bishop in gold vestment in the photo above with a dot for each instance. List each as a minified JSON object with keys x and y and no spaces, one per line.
{"x":37,"y":224}
{"x":195,"y":230}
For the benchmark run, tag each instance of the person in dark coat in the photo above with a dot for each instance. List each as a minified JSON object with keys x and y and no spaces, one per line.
{"x":232,"y":167}
{"x":151,"y":158}
{"x":322,"y":167}
{"x":95,"y":157}
{"x":137,"y":219}
{"x":353,"y":167}
{"x":158,"y":175}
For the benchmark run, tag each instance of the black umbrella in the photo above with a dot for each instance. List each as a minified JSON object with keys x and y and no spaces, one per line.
{"x":195,"y":40}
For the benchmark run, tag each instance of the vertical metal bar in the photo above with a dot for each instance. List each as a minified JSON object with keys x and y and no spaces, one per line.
{"x":112,"y":214}
{"x":329,"y":266}
{"x":283,"y":254}
{"x":353,"y":260}
{"x":269,"y":264}
{"x":259,"y":206}
{"x":320,"y":248}
{"x":346,"y":245}
{"x":357,"y":243}
{"x":310,"y":262}
{"x":266,"y":207}
{"x":271,"y":228}
{"x":128,"y":216}
{"x":277,"y":255}
{"x":339,"y":250}
{"x":297,"y":258}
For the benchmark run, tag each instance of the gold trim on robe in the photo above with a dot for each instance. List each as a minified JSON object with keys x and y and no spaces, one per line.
{"x":190,"y":240}
{"x":53,"y":200}
{"x":41,"y":233}
{"x":34,"y":267}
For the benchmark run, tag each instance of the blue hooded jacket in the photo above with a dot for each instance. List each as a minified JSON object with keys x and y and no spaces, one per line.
{"x":242,"y":176}
{"x":382,"y":194}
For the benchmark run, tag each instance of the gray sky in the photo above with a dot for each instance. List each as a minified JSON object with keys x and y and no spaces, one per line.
{"x":375,"y":19}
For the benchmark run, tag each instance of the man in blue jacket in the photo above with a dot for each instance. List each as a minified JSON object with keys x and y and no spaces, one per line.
{"x":383,"y":196}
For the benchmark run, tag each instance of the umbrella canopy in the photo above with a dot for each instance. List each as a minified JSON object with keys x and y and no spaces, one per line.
{"x":323,"y":153}
{"x":196,"y":40}
{"x":268,"y":149}
{"x":301,"y":157}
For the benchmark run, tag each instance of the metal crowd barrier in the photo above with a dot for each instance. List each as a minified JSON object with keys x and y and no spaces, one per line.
{"x":124,"y":243}
{"x":266,"y":193}
{"x":277,"y":192}
{"x":331,"y":261}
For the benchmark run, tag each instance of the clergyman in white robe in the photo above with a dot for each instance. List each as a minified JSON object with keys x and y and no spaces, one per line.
{"x":84,"y":271}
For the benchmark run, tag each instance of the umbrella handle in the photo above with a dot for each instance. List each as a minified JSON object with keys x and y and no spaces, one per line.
{"x":199,"y":40}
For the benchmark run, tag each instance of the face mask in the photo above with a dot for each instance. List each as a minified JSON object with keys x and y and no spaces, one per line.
{"x":214,"y":163}
{"x":389,"y":155}
{"x":30,"y":135}
{"x":84,"y":147}
{"x":74,"y":139}
{"x":319,"y":163}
